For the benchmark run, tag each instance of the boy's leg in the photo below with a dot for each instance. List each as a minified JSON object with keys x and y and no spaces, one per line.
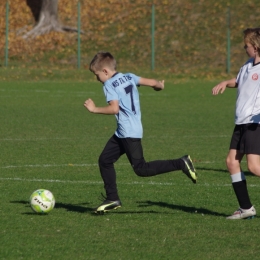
{"x":245,"y":140}
{"x":239,"y":185}
{"x":233,"y":160}
{"x":110,"y":154}
{"x":253,"y":163}
{"x":134,"y":152}
{"x":252,"y":148}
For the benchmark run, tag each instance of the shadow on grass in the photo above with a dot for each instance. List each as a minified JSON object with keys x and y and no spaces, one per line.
{"x":247,"y":173}
{"x":142,"y":204}
{"x":59,"y":205}
{"x":211,"y":169}
{"x":187,"y":209}
{"x":74,"y":208}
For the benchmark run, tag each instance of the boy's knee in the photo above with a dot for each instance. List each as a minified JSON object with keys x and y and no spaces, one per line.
{"x":101,"y":161}
{"x":139,"y":172}
{"x":250,"y":168}
{"x":142,"y":172}
{"x":232,"y":165}
{"x":255,"y":169}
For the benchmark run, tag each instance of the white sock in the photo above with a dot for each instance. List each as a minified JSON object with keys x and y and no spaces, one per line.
{"x":238,"y":177}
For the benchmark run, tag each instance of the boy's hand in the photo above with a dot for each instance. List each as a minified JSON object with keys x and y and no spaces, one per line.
{"x":231,"y":83}
{"x":90,"y":105}
{"x":219,"y":88}
{"x":159,"y":86}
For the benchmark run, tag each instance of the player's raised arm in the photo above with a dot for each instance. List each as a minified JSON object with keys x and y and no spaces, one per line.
{"x":223,"y":85}
{"x":155,"y":84}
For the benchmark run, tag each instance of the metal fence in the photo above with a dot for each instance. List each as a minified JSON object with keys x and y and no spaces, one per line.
{"x":174,"y":36}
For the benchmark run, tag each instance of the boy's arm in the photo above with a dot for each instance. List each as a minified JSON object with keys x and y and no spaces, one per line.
{"x":111,"y":109}
{"x":231,"y":83}
{"x":155,"y":84}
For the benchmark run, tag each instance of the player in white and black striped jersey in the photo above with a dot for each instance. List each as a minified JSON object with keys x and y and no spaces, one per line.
{"x":246,"y":136}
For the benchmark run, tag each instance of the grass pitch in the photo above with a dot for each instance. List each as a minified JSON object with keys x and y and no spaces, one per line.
{"x":49,"y":140}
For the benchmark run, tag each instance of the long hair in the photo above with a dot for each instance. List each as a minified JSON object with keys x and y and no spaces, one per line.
{"x":252,"y":35}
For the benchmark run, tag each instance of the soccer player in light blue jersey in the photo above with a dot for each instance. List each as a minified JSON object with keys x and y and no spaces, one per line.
{"x":122,"y":97}
{"x":246,"y":135}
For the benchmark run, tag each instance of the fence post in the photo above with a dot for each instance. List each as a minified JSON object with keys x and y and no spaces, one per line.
{"x":228,"y":40}
{"x":152,"y":42}
{"x":6,"y":33}
{"x":79,"y":25}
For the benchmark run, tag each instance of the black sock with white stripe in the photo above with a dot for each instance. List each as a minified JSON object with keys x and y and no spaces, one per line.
{"x":240,"y":188}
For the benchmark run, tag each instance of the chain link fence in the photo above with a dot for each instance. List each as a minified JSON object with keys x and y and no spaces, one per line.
{"x":189,"y":37}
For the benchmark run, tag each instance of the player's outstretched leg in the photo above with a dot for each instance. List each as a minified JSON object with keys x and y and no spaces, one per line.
{"x":107,"y":205}
{"x":189,"y":169}
{"x":243,"y":214}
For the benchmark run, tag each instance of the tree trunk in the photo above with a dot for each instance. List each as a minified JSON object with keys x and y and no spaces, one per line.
{"x":45,"y":13}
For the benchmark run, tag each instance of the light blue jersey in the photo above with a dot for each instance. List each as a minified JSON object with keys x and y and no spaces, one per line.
{"x":123,"y":87}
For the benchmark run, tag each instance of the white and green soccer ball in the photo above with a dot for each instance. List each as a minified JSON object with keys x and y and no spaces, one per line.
{"x":42,"y":201}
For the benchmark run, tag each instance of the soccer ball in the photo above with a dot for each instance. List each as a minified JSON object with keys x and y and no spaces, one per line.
{"x":42,"y":201}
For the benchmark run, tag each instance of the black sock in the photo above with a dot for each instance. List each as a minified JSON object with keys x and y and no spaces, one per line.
{"x":241,"y":192}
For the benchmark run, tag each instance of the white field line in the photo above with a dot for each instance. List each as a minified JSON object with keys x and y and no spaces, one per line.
{"x":55,"y":95}
{"x":76,"y":165}
{"x":62,"y":91}
{"x":47,"y":91}
{"x":124,"y":183}
{"x":46,"y":180}
{"x":189,"y":136}
{"x":73,"y":138}
{"x":36,"y":139}
{"x":87,"y":165}
{"x":48,"y":165}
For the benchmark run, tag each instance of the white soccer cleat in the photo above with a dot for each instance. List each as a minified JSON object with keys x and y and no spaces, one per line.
{"x":243,"y":214}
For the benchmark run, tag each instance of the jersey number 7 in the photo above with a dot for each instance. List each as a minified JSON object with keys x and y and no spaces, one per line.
{"x":129,"y":90}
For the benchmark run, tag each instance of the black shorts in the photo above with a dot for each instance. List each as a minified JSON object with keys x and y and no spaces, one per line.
{"x":246,"y":139}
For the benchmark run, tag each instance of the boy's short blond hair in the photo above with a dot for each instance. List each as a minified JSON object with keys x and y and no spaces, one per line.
{"x":102,"y":60}
{"x":252,"y":36}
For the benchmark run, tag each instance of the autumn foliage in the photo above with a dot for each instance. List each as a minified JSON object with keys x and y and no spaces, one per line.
{"x":189,"y":34}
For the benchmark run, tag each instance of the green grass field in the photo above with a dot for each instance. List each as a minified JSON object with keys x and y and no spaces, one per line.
{"x":49,"y":140}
